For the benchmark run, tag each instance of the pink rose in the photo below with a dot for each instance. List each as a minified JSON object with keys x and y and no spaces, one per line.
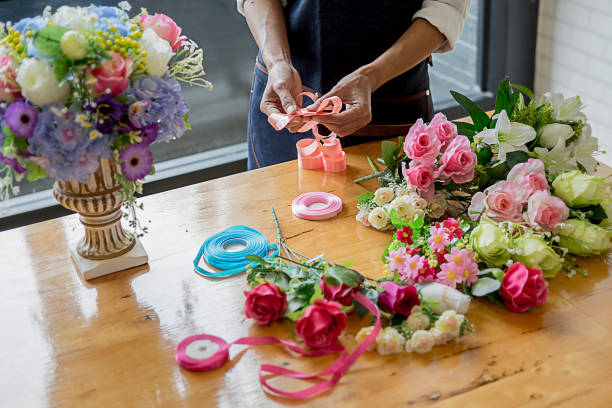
{"x":265,"y":303}
{"x":342,"y":294}
{"x":421,"y":143}
{"x":546,"y":211}
{"x":458,"y":161}
{"x":398,"y":298}
{"x":530,"y":176}
{"x":523,"y":288}
{"x":504,"y":202}
{"x":444,"y":129}
{"x":321,"y":324}
{"x":164,"y":27}
{"x":419,"y":175}
{"x":9,"y":89}
{"x":113,"y":74}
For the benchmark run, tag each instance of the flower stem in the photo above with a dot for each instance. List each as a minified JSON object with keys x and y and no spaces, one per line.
{"x":372,"y":165}
{"x":371,"y":176}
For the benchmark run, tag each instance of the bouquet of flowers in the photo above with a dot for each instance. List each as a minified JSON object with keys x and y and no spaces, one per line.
{"x":84,"y":83}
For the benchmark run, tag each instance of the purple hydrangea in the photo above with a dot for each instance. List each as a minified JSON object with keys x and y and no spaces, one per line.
{"x":68,"y":150}
{"x":166,"y":107}
{"x":136,"y":162}
{"x":21,"y":118}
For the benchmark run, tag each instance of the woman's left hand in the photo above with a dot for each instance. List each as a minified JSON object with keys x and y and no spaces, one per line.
{"x":355,"y":91}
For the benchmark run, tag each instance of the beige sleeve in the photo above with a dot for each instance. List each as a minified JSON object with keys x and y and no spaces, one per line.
{"x":448,"y":16}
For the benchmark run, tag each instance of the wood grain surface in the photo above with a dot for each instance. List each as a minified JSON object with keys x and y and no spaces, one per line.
{"x":110,"y":342}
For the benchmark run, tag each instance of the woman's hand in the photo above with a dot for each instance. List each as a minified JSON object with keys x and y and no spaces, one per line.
{"x":355,"y":90}
{"x":280,"y":94}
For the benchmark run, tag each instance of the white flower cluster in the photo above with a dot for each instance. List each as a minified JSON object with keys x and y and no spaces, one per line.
{"x":424,"y":336}
{"x":404,"y":200}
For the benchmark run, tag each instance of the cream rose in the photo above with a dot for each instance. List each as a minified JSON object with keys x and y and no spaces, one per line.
{"x":158,"y":52}
{"x":39,"y":84}
{"x":421,"y":342}
{"x":379,"y":218}
{"x":450,"y":322}
{"x":389,"y":341}
{"x":362,"y":334}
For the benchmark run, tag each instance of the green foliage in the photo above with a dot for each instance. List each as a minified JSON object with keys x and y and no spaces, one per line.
{"x":48,"y":39}
{"x":187,"y":123}
{"x":362,"y":198}
{"x":466,"y":129}
{"x":484,"y":286}
{"x":503,"y":98}
{"x":338,"y":274}
{"x":479,"y":117}
{"x":397,"y":222}
{"x":36,"y":172}
{"x":371,"y":294}
{"x":388,"y":152}
{"x":61,"y":66}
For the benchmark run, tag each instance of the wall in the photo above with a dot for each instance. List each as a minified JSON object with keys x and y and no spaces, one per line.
{"x":574,"y":56}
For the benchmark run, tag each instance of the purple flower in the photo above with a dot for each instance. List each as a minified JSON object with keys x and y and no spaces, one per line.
{"x":13,"y":163}
{"x":148,"y":134}
{"x":136,"y":162}
{"x":21,"y":118}
{"x":137,"y":113}
{"x":108,"y":112}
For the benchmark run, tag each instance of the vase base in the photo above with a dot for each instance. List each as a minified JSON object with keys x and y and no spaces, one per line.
{"x":91,"y":269}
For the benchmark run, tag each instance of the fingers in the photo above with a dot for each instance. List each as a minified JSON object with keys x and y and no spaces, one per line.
{"x":347,"y":122}
{"x":286,"y":100}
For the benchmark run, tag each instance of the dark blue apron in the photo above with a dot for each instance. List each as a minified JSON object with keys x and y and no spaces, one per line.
{"x":328,"y":40}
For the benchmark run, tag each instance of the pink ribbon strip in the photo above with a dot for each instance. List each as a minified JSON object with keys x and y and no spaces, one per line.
{"x":328,"y":106}
{"x":193,"y":354}
{"x":330,"y":205}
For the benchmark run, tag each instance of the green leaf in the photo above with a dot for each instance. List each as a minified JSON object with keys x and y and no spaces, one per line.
{"x":484,"y":154}
{"x":528,"y":92}
{"x":385,"y":253}
{"x":466,"y":129}
{"x":256,"y":258}
{"x":388,"y":150}
{"x":497,"y":273}
{"x":36,"y":172}
{"x":498,"y":172}
{"x":479,"y":117}
{"x":48,"y":39}
{"x":361,"y":198}
{"x":348,"y":264}
{"x":61,"y":67}
{"x":397,"y":222}
{"x":516,"y":157}
{"x":187,"y":124}
{"x":484,"y":286}
{"x":416,"y":224}
{"x":337,"y":275}
{"x":502,"y":100}
{"x":318,"y":294}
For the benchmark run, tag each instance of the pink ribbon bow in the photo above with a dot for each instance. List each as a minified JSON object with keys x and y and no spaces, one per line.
{"x":328,"y":106}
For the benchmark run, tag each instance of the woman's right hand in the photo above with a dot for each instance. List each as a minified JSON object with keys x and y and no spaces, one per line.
{"x":281,"y":92}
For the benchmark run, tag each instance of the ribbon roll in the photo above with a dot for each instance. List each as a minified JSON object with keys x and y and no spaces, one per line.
{"x":316,"y":206}
{"x":334,"y":164}
{"x":215,"y":251}
{"x":328,"y":106}
{"x":205,"y":352}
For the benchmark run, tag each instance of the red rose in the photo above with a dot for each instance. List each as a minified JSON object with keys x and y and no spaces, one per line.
{"x":113,"y":75}
{"x":321,"y":324}
{"x":265,"y":303}
{"x":398,"y":298}
{"x":523,"y":288}
{"x":342,"y":294}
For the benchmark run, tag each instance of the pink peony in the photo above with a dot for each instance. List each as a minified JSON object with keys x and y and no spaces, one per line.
{"x":419,"y":175}
{"x":164,"y":27}
{"x":504,"y":202}
{"x":458,"y":161}
{"x":444,"y":129}
{"x":113,"y":75}
{"x":9,"y":89}
{"x":546,"y":211}
{"x":421,"y":143}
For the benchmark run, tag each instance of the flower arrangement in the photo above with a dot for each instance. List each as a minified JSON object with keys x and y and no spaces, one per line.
{"x":83,"y":83}
{"x":527,"y":177}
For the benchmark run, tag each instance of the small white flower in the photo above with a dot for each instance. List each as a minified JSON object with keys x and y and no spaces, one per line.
{"x":565,"y":109}
{"x":402,"y":190}
{"x":363,"y":333}
{"x":509,"y":263}
{"x":584,"y":148}
{"x":389,"y":341}
{"x":421,"y":342}
{"x":75,"y":18}
{"x":416,"y":321}
{"x":124,"y":5}
{"x":440,"y":338}
{"x":383,"y":196}
{"x":379,"y":218}
{"x":557,"y":160}
{"x":362,"y":217}
{"x":94,"y":134}
{"x":450,"y":322}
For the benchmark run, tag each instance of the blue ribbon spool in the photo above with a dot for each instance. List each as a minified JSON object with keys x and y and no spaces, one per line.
{"x":215,"y":253}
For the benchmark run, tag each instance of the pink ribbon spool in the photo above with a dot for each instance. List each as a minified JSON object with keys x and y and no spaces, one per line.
{"x":316,"y":206}
{"x":335,"y":164}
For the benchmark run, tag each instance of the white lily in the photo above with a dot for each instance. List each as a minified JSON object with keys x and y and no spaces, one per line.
{"x":557,"y":160}
{"x":510,"y":136}
{"x":584,"y":148}
{"x":565,"y":109}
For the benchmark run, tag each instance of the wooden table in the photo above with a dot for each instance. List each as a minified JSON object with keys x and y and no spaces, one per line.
{"x":110,"y":342}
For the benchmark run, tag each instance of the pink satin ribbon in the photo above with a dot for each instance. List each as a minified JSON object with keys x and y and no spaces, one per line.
{"x":328,"y":106}
{"x":336,"y":370}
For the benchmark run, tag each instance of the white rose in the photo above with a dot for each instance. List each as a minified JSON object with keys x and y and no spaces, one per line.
{"x":75,"y":18}
{"x":450,"y":322}
{"x":362,"y":217}
{"x":74,"y":45}
{"x":551,"y":134}
{"x":158,"y":52}
{"x":39,"y":84}
{"x":404,"y":190}
{"x":383,"y":195}
{"x":402,"y":207}
{"x":379,"y":218}
{"x":421,"y":342}
{"x":363,"y":333}
{"x":440,"y":338}
{"x":389,"y":341}
{"x":416,"y":321}
{"x":418,"y":204}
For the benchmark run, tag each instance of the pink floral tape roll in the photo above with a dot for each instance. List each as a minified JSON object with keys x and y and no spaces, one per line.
{"x":316,"y":206}
{"x":307,"y":147}
{"x":202,"y":352}
{"x":335,"y":164}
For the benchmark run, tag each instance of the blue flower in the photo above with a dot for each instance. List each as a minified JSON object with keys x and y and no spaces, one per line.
{"x":167,"y":106}
{"x":69,"y":152}
{"x":30,"y":23}
{"x":111,"y":17}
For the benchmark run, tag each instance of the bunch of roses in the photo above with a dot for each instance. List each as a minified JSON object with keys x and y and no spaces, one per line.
{"x":437,"y":153}
{"x":439,"y":256}
{"x":401,"y":202}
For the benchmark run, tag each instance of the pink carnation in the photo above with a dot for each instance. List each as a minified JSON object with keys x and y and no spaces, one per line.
{"x":422,"y":144}
{"x":546,"y":211}
{"x":458,"y":161}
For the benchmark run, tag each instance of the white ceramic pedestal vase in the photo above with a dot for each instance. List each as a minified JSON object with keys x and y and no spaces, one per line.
{"x":106,"y":246}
